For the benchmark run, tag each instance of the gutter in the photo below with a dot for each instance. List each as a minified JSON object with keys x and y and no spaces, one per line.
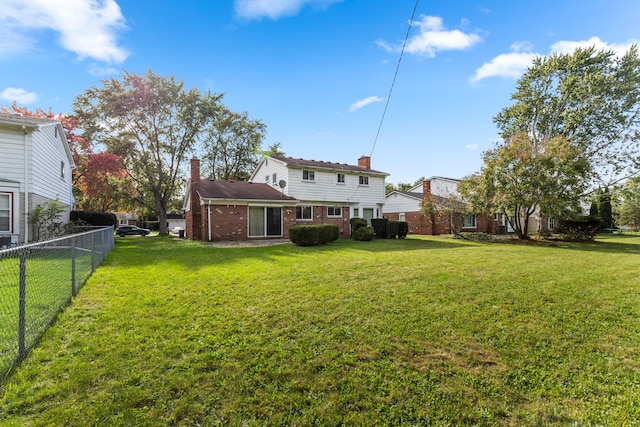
{"x":26,"y":184}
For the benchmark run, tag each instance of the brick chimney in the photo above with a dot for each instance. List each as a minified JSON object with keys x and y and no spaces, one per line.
{"x":194,"y":215}
{"x":426,"y":188}
{"x":364,"y":162}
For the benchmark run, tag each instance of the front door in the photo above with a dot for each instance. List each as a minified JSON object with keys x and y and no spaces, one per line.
{"x":368,"y":215}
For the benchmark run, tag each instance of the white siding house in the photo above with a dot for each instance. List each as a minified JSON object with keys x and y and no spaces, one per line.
{"x":35,"y":159}
{"x":326,"y":186}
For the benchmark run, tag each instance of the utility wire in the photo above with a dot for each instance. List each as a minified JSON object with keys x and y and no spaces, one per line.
{"x":404,"y":44}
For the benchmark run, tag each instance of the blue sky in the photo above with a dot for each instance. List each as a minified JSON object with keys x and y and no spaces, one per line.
{"x":316,"y":72}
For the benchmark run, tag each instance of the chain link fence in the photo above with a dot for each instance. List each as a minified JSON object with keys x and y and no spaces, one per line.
{"x":37,"y":280}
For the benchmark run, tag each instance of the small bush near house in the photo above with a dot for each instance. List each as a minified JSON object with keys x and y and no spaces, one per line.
{"x":363,"y":234}
{"x":357,"y":223}
{"x":327,"y":233}
{"x":380,"y":227}
{"x":310,"y":235}
{"x":582,"y":229}
{"x":94,"y":218}
{"x":474,"y":236}
{"x":397,"y":229}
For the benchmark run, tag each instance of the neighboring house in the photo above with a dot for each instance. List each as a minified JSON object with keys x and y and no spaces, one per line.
{"x":175,"y":221}
{"x":280,"y":193}
{"x":35,"y":160}
{"x":406,"y":206}
{"x":126,"y":218}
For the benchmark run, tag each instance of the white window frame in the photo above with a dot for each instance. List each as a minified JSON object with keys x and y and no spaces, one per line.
{"x":9,"y":212}
{"x":402,"y":217}
{"x":356,"y":212}
{"x":301,"y":209}
{"x":332,"y":213}
{"x":475,"y":221}
{"x":266,"y":178}
{"x":310,"y":175}
{"x":363,"y":180}
{"x":274,"y":178}
{"x":340,"y":178}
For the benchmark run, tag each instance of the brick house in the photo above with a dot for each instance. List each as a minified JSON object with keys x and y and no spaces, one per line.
{"x":235,"y":210}
{"x":405,"y":206}
{"x":280,"y":193}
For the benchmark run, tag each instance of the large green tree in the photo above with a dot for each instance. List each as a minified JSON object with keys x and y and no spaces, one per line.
{"x":153,"y":123}
{"x":574,"y":125}
{"x":630,"y":204}
{"x":519,"y":179}
{"x":231,"y":145}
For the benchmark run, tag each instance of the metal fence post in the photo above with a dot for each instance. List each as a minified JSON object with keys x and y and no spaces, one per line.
{"x":22,"y":303}
{"x":73,"y":266}
{"x":93,"y":252}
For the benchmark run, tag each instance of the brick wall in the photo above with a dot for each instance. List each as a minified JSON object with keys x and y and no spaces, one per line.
{"x":320,"y":217}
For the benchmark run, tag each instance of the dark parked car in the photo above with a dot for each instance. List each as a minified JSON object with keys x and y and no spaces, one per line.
{"x":131,"y":230}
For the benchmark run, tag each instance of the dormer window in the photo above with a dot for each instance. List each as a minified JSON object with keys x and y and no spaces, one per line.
{"x":308,"y":175}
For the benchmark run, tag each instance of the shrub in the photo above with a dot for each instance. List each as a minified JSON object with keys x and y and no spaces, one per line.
{"x":357,"y":223}
{"x":94,"y":218}
{"x":403,"y":229}
{"x":579,"y":229}
{"x":327,"y":233}
{"x":380,"y":227}
{"x":363,"y":234}
{"x":310,"y":235}
{"x":393,"y":229}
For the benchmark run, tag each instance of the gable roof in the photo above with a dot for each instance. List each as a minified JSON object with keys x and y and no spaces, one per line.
{"x":410,"y":194}
{"x":240,"y":191}
{"x":35,"y":123}
{"x":318,"y":164}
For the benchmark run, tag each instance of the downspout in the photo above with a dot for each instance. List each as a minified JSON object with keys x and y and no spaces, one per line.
{"x":26,"y":185}
{"x":209,"y":219}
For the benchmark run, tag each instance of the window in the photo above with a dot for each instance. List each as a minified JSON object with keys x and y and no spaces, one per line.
{"x":266,"y":178}
{"x":274,"y":178}
{"x":62,"y":169}
{"x":334,"y":211}
{"x":356,"y":212}
{"x":5,"y":212}
{"x":402,"y":216}
{"x":363,"y":180}
{"x":304,"y":213}
{"x":308,"y":175}
{"x":340,"y":177}
{"x":469,"y":221}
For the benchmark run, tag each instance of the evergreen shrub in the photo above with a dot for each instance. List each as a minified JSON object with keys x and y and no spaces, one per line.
{"x":96,"y":219}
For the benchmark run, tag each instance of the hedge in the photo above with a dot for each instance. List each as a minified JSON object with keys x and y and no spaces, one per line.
{"x":311,"y":235}
{"x":363,"y":234}
{"x":579,"y":229}
{"x":93,"y":218}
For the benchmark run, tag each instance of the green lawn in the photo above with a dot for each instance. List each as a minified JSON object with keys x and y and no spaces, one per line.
{"x":422,"y":331}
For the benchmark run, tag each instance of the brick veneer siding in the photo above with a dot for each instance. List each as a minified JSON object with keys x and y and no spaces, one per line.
{"x":230,"y":222}
{"x":320,"y":217}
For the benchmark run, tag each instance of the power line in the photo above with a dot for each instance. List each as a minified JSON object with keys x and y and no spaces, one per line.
{"x":404,"y":44}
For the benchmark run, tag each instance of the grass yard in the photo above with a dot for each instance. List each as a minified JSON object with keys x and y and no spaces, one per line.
{"x":422,"y":331}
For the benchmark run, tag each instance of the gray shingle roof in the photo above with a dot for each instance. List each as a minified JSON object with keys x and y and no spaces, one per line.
{"x":17,"y":119}
{"x":326,"y":165}
{"x":240,"y":190}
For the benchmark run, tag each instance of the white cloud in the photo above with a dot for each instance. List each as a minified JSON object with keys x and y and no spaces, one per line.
{"x":566,"y":46}
{"x":18,"y":95}
{"x":514,"y":64}
{"x":98,"y":71}
{"x":87,"y":28}
{"x":275,"y":9}
{"x":471,"y":146}
{"x":364,"y":102}
{"x":511,"y":65}
{"x":433,"y":37}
